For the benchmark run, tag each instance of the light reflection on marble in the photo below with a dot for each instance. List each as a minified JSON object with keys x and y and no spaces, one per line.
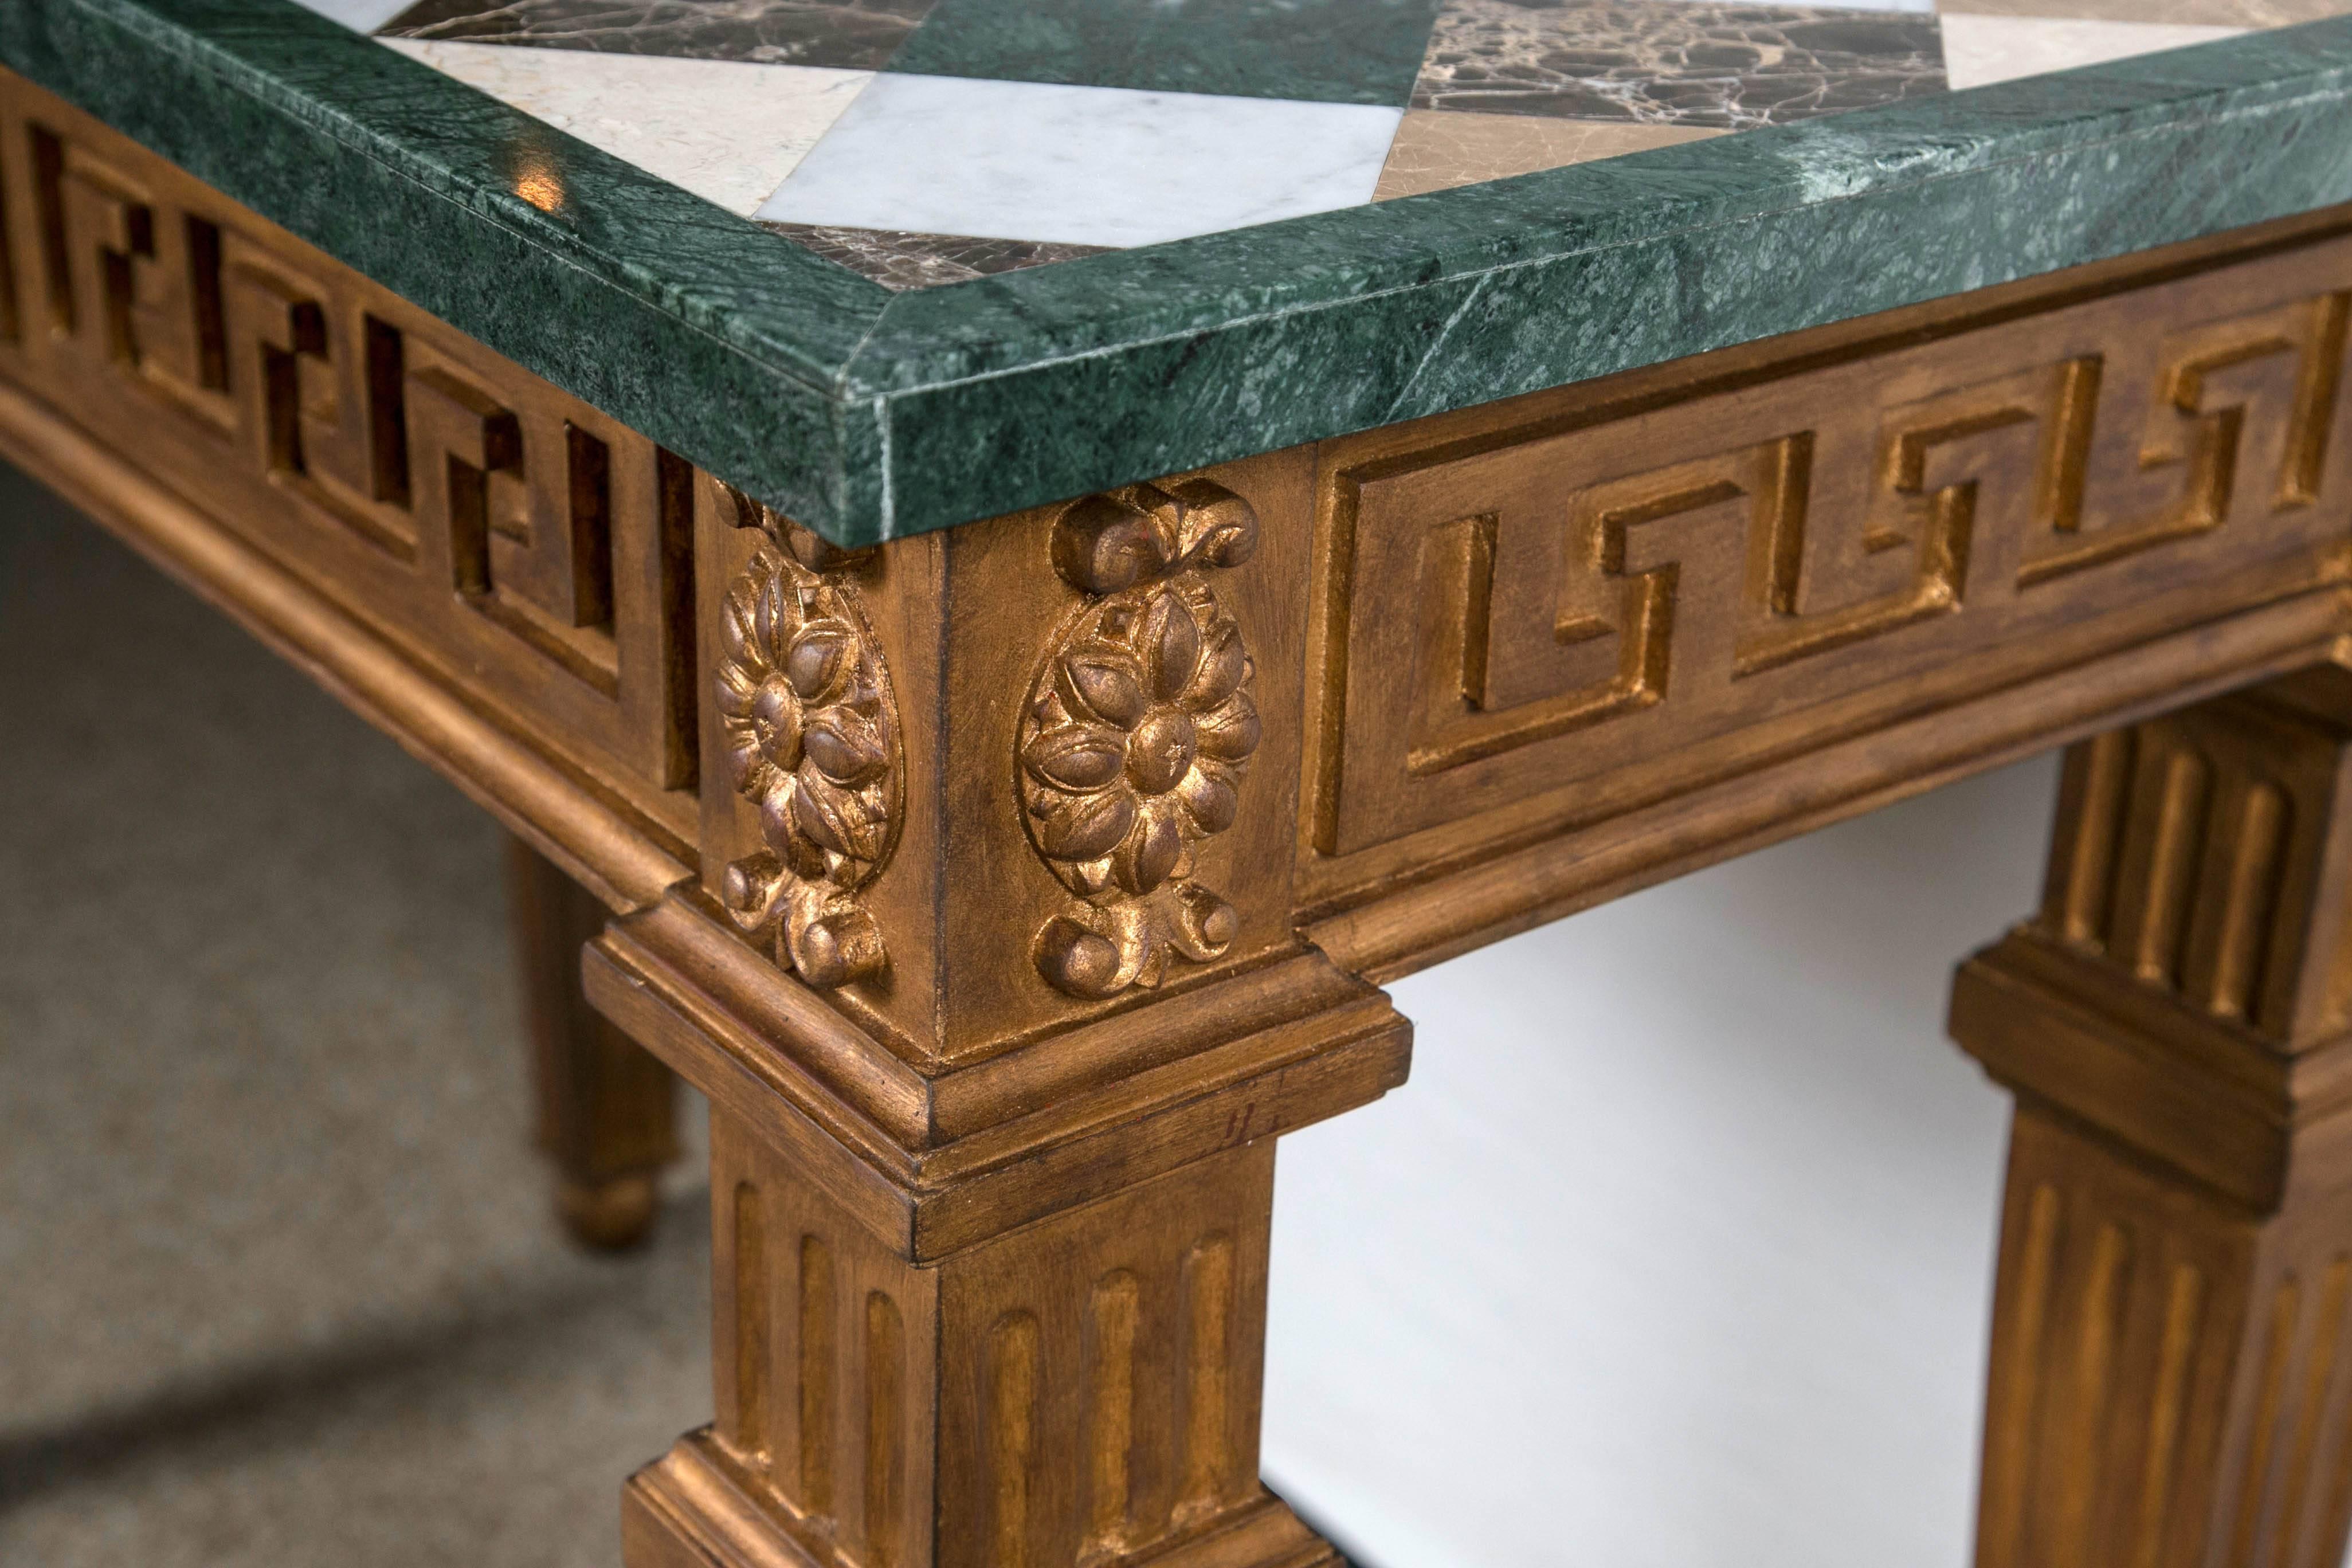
{"x":1674,"y":62}
{"x":1435,"y":150}
{"x":1079,"y":165}
{"x":902,"y":261}
{"x":726,"y":131}
{"x":1981,"y":50}
{"x":857,"y":35}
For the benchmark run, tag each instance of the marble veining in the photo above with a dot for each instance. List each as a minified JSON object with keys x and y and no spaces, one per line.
{"x":1079,"y":165}
{"x":1674,"y":62}
{"x":856,"y":34}
{"x":901,"y":261}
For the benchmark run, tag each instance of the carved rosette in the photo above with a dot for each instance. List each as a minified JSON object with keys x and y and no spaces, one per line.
{"x":811,"y":737}
{"x":1138,"y":731}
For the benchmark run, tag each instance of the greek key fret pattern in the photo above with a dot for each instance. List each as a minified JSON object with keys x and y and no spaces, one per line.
{"x":534,"y":550}
{"x":1535,"y":609}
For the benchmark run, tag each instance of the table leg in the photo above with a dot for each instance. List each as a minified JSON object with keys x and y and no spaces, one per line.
{"x":2171,"y":1378}
{"x":1038,"y":1346}
{"x":1084,"y":1390}
{"x":606,"y":1110}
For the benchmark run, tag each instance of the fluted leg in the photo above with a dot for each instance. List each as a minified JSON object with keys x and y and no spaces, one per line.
{"x":1081,"y":1391}
{"x":2171,"y":1377}
{"x":606,"y":1110}
{"x":1039,"y":1345}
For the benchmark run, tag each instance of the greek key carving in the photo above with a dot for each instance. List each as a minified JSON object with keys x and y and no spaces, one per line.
{"x":1533,"y":612}
{"x":538,"y":548}
{"x":813,"y":740}
{"x":1138,"y":732}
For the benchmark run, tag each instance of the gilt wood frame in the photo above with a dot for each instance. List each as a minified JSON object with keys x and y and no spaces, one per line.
{"x":1009,"y":889}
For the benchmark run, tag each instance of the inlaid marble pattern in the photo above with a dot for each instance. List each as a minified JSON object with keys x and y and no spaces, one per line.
{"x":902,"y":261}
{"x":1674,"y":62}
{"x":857,"y":35}
{"x":923,"y":143}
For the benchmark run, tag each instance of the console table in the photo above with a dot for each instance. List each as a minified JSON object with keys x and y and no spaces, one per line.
{"x":1008,"y":562}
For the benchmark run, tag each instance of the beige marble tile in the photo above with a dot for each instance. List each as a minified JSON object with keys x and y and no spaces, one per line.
{"x":725,"y":129}
{"x":1436,"y":150}
{"x":2238,"y":14}
{"x":1980,"y":50}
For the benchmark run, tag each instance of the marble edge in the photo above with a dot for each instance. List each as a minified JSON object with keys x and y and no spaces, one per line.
{"x":871,"y":414}
{"x":1022,"y":388}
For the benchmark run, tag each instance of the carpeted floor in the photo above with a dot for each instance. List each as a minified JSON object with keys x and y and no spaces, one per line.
{"x":277,"y":1281}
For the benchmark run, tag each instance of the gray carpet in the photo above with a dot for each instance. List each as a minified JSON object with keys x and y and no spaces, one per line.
{"x":278,"y":1283}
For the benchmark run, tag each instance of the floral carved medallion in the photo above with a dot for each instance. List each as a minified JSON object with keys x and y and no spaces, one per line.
{"x":811,"y":738}
{"x":1138,"y":732}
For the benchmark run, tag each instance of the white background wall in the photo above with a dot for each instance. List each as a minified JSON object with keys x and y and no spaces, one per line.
{"x":1677,"y":1249}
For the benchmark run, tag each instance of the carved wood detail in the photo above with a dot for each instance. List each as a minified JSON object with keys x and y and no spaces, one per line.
{"x":512,"y":541}
{"x":811,"y":731}
{"x":1531,"y":622}
{"x":1138,"y":732}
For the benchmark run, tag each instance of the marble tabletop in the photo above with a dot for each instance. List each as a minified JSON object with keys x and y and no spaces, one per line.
{"x":897,"y":264}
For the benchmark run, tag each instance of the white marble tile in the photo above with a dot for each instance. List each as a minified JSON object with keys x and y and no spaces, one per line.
{"x":1080,"y":165}
{"x":360,"y":16}
{"x":725,"y":130}
{"x":1979,"y":50}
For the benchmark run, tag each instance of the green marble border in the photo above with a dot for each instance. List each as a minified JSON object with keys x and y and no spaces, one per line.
{"x":869,"y":414}
{"x":1324,"y":51}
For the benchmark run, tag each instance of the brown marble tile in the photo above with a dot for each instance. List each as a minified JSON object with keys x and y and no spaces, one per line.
{"x":2176,"y":13}
{"x":1674,"y":62}
{"x":857,"y":35}
{"x":902,"y":261}
{"x":1435,"y":150}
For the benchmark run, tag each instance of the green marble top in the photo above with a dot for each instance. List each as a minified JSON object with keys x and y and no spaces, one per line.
{"x":893,"y":265}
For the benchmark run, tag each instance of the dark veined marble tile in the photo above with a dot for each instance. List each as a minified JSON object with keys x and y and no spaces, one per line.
{"x":856,"y":35}
{"x":1327,"y":51}
{"x":902,"y":261}
{"x":1675,"y":62}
